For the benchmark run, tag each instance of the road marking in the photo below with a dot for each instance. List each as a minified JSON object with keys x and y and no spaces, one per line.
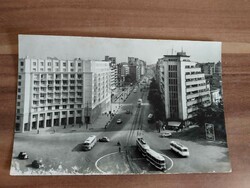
{"x":102,"y":158}
{"x":172,"y":162}
{"x":96,"y":163}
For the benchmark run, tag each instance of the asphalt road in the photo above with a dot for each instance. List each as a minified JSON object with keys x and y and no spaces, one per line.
{"x":62,"y":152}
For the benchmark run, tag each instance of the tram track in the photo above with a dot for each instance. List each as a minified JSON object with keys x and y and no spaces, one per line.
{"x":136,"y":126}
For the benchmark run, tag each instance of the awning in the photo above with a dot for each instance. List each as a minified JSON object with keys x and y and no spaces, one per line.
{"x":174,"y":123}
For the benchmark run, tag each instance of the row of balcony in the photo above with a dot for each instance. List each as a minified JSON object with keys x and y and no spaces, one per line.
{"x":199,"y":94}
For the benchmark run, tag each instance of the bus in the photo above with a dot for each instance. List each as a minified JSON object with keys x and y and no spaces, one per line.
{"x":179,"y":148}
{"x":142,"y":146}
{"x":156,"y":159}
{"x":139,"y":102}
{"x":89,"y":143}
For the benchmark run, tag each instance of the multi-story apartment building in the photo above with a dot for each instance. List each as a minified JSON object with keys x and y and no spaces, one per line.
{"x":218,"y":68}
{"x":135,"y":68}
{"x":113,"y":68}
{"x":183,"y":87}
{"x":123,"y":71}
{"x":207,"y":68}
{"x":54,"y":92}
{"x":142,"y":67}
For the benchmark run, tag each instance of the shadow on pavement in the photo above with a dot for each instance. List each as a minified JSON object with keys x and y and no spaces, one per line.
{"x":78,"y":148}
{"x":170,"y":153}
{"x":29,"y":166}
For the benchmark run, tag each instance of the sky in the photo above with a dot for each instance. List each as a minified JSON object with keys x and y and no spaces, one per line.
{"x":96,"y":48}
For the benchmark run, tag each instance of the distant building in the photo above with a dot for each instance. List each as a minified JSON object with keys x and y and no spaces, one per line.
{"x":218,"y":68}
{"x":113,"y":68}
{"x":216,"y":96}
{"x":54,"y":92}
{"x":123,"y":71}
{"x":207,"y":68}
{"x":183,"y":87}
{"x":137,"y":68}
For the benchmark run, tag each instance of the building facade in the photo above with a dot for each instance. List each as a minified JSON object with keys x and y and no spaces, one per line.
{"x":122,"y":72}
{"x":207,"y":68}
{"x":54,"y":92}
{"x":113,"y":68}
{"x":137,"y":68}
{"x":182,"y":85}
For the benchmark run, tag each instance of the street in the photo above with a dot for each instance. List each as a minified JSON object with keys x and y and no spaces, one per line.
{"x":61,"y":152}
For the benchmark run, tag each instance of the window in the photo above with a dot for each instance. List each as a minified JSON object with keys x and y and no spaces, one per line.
{"x":19,"y":90}
{"x":57,"y":107}
{"x":64,"y":64}
{"x":34,"y":63}
{"x":18,"y":111}
{"x":71,"y":106}
{"x":19,"y":96}
{"x":71,"y":112}
{"x":19,"y":83}
{"x":56,"y":113}
{"x":19,"y":77}
{"x":41,"y":63}
{"x":18,"y":103}
{"x":64,"y":106}
{"x":49,"y":63}
{"x":79,"y":64}
{"x":71,"y":64}
{"x":17,"y":117}
{"x":21,"y":63}
{"x":57,"y":64}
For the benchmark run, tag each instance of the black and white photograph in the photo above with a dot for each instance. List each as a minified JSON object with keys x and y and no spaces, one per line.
{"x":109,"y":106}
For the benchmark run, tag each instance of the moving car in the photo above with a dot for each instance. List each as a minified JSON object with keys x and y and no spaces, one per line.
{"x":119,"y":121}
{"x":167,"y":134}
{"x":23,"y":155}
{"x":37,"y":164}
{"x":104,"y":139}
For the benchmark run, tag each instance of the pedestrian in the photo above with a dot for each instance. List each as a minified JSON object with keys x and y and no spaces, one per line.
{"x":119,"y":149}
{"x":37,"y":131}
{"x":118,"y":143}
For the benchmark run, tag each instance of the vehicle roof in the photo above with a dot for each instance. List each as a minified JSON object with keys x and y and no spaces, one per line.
{"x":155,"y":154}
{"x":90,"y":138}
{"x":143,"y":143}
{"x":178,"y":144}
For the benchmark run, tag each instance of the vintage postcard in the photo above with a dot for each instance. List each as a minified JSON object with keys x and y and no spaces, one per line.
{"x":88,"y":106}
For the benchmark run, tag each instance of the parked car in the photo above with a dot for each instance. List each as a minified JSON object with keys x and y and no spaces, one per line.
{"x":37,"y":164}
{"x":119,"y":121}
{"x":167,"y":134}
{"x":23,"y":155}
{"x":104,"y":139}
